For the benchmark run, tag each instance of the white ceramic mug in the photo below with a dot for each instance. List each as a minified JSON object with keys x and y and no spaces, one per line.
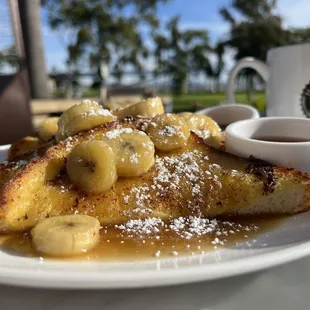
{"x":287,"y":74}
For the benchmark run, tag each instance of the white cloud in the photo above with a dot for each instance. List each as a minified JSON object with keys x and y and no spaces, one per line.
{"x":295,"y":12}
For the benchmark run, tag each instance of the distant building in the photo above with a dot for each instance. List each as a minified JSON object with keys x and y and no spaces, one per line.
{"x":64,"y":85}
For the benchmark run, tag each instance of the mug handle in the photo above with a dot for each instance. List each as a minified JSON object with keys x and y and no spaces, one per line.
{"x":247,"y":62}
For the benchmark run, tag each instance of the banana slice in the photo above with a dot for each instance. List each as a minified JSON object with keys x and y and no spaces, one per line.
{"x":133,"y":149}
{"x":67,"y":235}
{"x":91,"y":166}
{"x":48,"y":128}
{"x":185,"y":114}
{"x":205,"y":127}
{"x":90,"y":120}
{"x":71,"y":113}
{"x":116,"y":106}
{"x":168,"y":132}
{"x":54,"y":168}
{"x":148,"y":108}
{"x":85,"y":115}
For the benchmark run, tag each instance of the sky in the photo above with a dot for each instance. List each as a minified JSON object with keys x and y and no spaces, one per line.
{"x":194,"y":14}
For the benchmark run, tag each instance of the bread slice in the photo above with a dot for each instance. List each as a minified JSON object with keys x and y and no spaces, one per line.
{"x":27,"y":145}
{"x":197,"y":180}
{"x":9,"y":168}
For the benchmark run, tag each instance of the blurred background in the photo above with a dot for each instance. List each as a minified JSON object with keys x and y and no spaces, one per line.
{"x":55,"y":52}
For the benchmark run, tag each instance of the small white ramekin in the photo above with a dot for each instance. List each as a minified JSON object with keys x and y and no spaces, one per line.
{"x":238,"y":141}
{"x":226,"y":114}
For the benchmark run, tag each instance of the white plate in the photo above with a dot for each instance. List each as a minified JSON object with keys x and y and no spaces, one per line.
{"x":285,"y":243}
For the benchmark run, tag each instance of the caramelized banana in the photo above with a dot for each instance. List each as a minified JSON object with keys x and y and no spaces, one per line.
{"x":88,"y":120}
{"x":91,"y":166}
{"x":168,"y":132}
{"x":185,"y":114}
{"x":205,"y":127}
{"x":133,"y":149}
{"x":148,"y":108}
{"x":66,"y":117}
{"x":48,"y":128}
{"x":66,"y":235}
{"x":85,"y":115}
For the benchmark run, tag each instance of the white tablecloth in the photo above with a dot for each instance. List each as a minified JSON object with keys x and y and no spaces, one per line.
{"x":286,"y":287}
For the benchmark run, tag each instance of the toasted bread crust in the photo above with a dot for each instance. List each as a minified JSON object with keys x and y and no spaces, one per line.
{"x":305,"y":204}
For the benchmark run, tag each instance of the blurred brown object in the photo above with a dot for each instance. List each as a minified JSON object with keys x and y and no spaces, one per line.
{"x":15,"y":115}
{"x":196,"y":105}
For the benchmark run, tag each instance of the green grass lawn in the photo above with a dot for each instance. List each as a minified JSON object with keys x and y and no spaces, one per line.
{"x":192,"y":102}
{"x":90,"y":93}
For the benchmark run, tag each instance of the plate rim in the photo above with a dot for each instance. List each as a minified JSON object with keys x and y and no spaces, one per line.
{"x":150,"y":278}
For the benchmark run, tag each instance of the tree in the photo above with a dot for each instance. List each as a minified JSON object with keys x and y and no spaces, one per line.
{"x":108,"y":30}
{"x":180,"y":53}
{"x":9,"y":58}
{"x":258,"y":29}
{"x":218,"y":67}
{"x":299,"y":35}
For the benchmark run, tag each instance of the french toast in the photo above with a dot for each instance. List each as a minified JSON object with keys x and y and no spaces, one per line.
{"x":24,"y":146}
{"x":9,"y":168}
{"x":195,"y":180}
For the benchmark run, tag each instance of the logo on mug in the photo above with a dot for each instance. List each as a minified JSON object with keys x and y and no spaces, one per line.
{"x":305,"y":100}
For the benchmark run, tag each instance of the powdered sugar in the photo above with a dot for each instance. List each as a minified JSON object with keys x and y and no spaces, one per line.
{"x":104,"y":112}
{"x":153,"y":104}
{"x":204,"y":134}
{"x":112,"y":134}
{"x":134,"y":158}
{"x":145,"y":226}
{"x":176,"y":172}
{"x":101,"y":112}
{"x":169,"y":131}
{"x":141,"y":196}
{"x":191,"y":227}
{"x":19,"y":163}
{"x":142,"y":211}
{"x":88,"y":102}
{"x":68,"y":144}
{"x":173,"y":176}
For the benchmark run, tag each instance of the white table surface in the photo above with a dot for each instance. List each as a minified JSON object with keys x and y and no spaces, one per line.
{"x":286,"y":287}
